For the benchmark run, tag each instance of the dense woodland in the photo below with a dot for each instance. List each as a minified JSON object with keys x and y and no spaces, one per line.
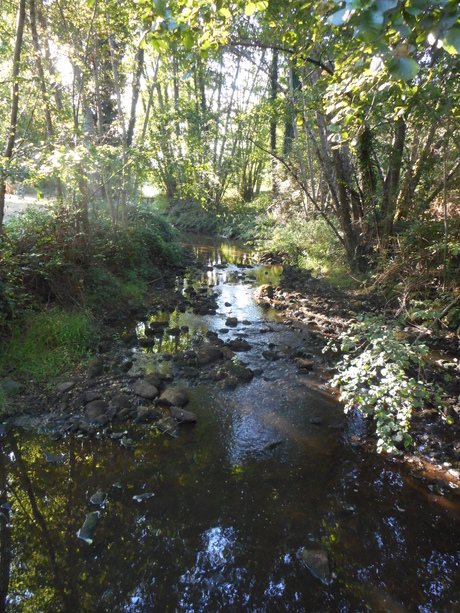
{"x":325,"y":132}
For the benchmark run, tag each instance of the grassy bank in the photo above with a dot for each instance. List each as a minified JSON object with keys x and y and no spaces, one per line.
{"x":58,"y":282}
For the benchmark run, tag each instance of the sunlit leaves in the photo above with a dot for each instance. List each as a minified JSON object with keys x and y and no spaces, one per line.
{"x":374,"y":377}
{"x":451,"y":42}
{"x":402,"y":68}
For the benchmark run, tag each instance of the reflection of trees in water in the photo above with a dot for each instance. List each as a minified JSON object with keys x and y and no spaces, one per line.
{"x":5,"y":532}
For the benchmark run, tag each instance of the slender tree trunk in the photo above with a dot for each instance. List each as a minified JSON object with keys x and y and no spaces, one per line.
{"x":43,"y":89}
{"x":391,"y":185}
{"x":135,"y":98}
{"x":273,"y":122}
{"x":100,"y":131}
{"x":14,"y":104}
{"x":124,"y":142}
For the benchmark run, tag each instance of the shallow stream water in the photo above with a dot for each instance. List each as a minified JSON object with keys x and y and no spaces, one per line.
{"x":267,"y":504}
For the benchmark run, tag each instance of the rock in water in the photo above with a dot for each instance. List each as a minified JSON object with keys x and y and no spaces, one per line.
{"x":186,"y":417}
{"x":317,"y":562}
{"x":168,"y":425}
{"x":145,"y":390}
{"x":87,"y":530}
{"x":265,"y":291}
{"x":175,"y":397}
{"x":98,"y":498}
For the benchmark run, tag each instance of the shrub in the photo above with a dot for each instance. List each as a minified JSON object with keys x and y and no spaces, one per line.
{"x":380,"y":374}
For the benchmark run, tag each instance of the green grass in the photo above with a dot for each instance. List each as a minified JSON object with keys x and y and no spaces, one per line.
{"x":45,"y":345}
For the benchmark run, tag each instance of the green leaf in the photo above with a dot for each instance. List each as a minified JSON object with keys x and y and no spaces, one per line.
{"x":224,"y":12}
{"x":402,"y":68}
{"x":451,"y":42}
{"x":188,"y":40}
{"x":90,"y":3}
{"x":250,"y":9}
{"x":160,"y":7}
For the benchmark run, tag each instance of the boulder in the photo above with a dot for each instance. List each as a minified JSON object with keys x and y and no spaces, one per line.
{"x":174,"y":396}
{"x":145,"y":390}
{"x":120,"y":401}
{"x":238,"y":344}
{"x":208,"y":355}
{"x":264,"y":292}
{"x":95,"y":368}
{"x":95,"y":409}
{"x":231,"y":322}
{"x":154,"y":380}
{"x":238,"y":372}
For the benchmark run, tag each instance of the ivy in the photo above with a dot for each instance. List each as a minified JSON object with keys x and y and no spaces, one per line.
{"x":380,"y":374}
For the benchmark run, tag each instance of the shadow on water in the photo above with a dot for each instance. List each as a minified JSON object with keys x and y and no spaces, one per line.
{"x":220,"y":518}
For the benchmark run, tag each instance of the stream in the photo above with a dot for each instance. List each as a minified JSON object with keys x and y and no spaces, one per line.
{"x":266,"y":504}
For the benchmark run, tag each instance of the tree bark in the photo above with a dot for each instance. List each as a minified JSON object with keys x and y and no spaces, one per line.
{"x":391,"y":185}
{"x":14,"y":103}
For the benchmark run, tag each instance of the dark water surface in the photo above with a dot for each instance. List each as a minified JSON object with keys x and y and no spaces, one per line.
{"x":268,"y":474}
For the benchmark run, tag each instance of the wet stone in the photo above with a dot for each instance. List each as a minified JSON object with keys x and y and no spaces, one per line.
{"x":238,"y":344}
{"x":231,"y":322}
{"x":208,"y":355}
{"x":168,"y":425}
{"x":124,"y":414}
{"x":174,"y":396}
{"x":146,"y":414}
{"x":317,"y":562}
{"x":272,"y":356}
{"x":153,"y":379}
{"x":95,"y":409}
{"x":147,"y":342}
{"x":120,"y":401}
{"x":183,"y":416}
{"x":145,"y":390}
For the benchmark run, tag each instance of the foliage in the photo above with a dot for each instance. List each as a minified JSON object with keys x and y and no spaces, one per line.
{"x":307,"y":243}
{"x":45,"y":345}
{"x":48,"y":259}
{"x":380,"y":374}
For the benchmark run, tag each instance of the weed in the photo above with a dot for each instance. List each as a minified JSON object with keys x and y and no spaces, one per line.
{"x":45,"y":345}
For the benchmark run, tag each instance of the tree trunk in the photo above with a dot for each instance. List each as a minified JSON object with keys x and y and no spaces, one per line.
{"x":14,"y":104}
{"x":41,"y":76}
{"x":391,"y":186}
{"x":124,"y":141}
{"x":273,"y":122}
